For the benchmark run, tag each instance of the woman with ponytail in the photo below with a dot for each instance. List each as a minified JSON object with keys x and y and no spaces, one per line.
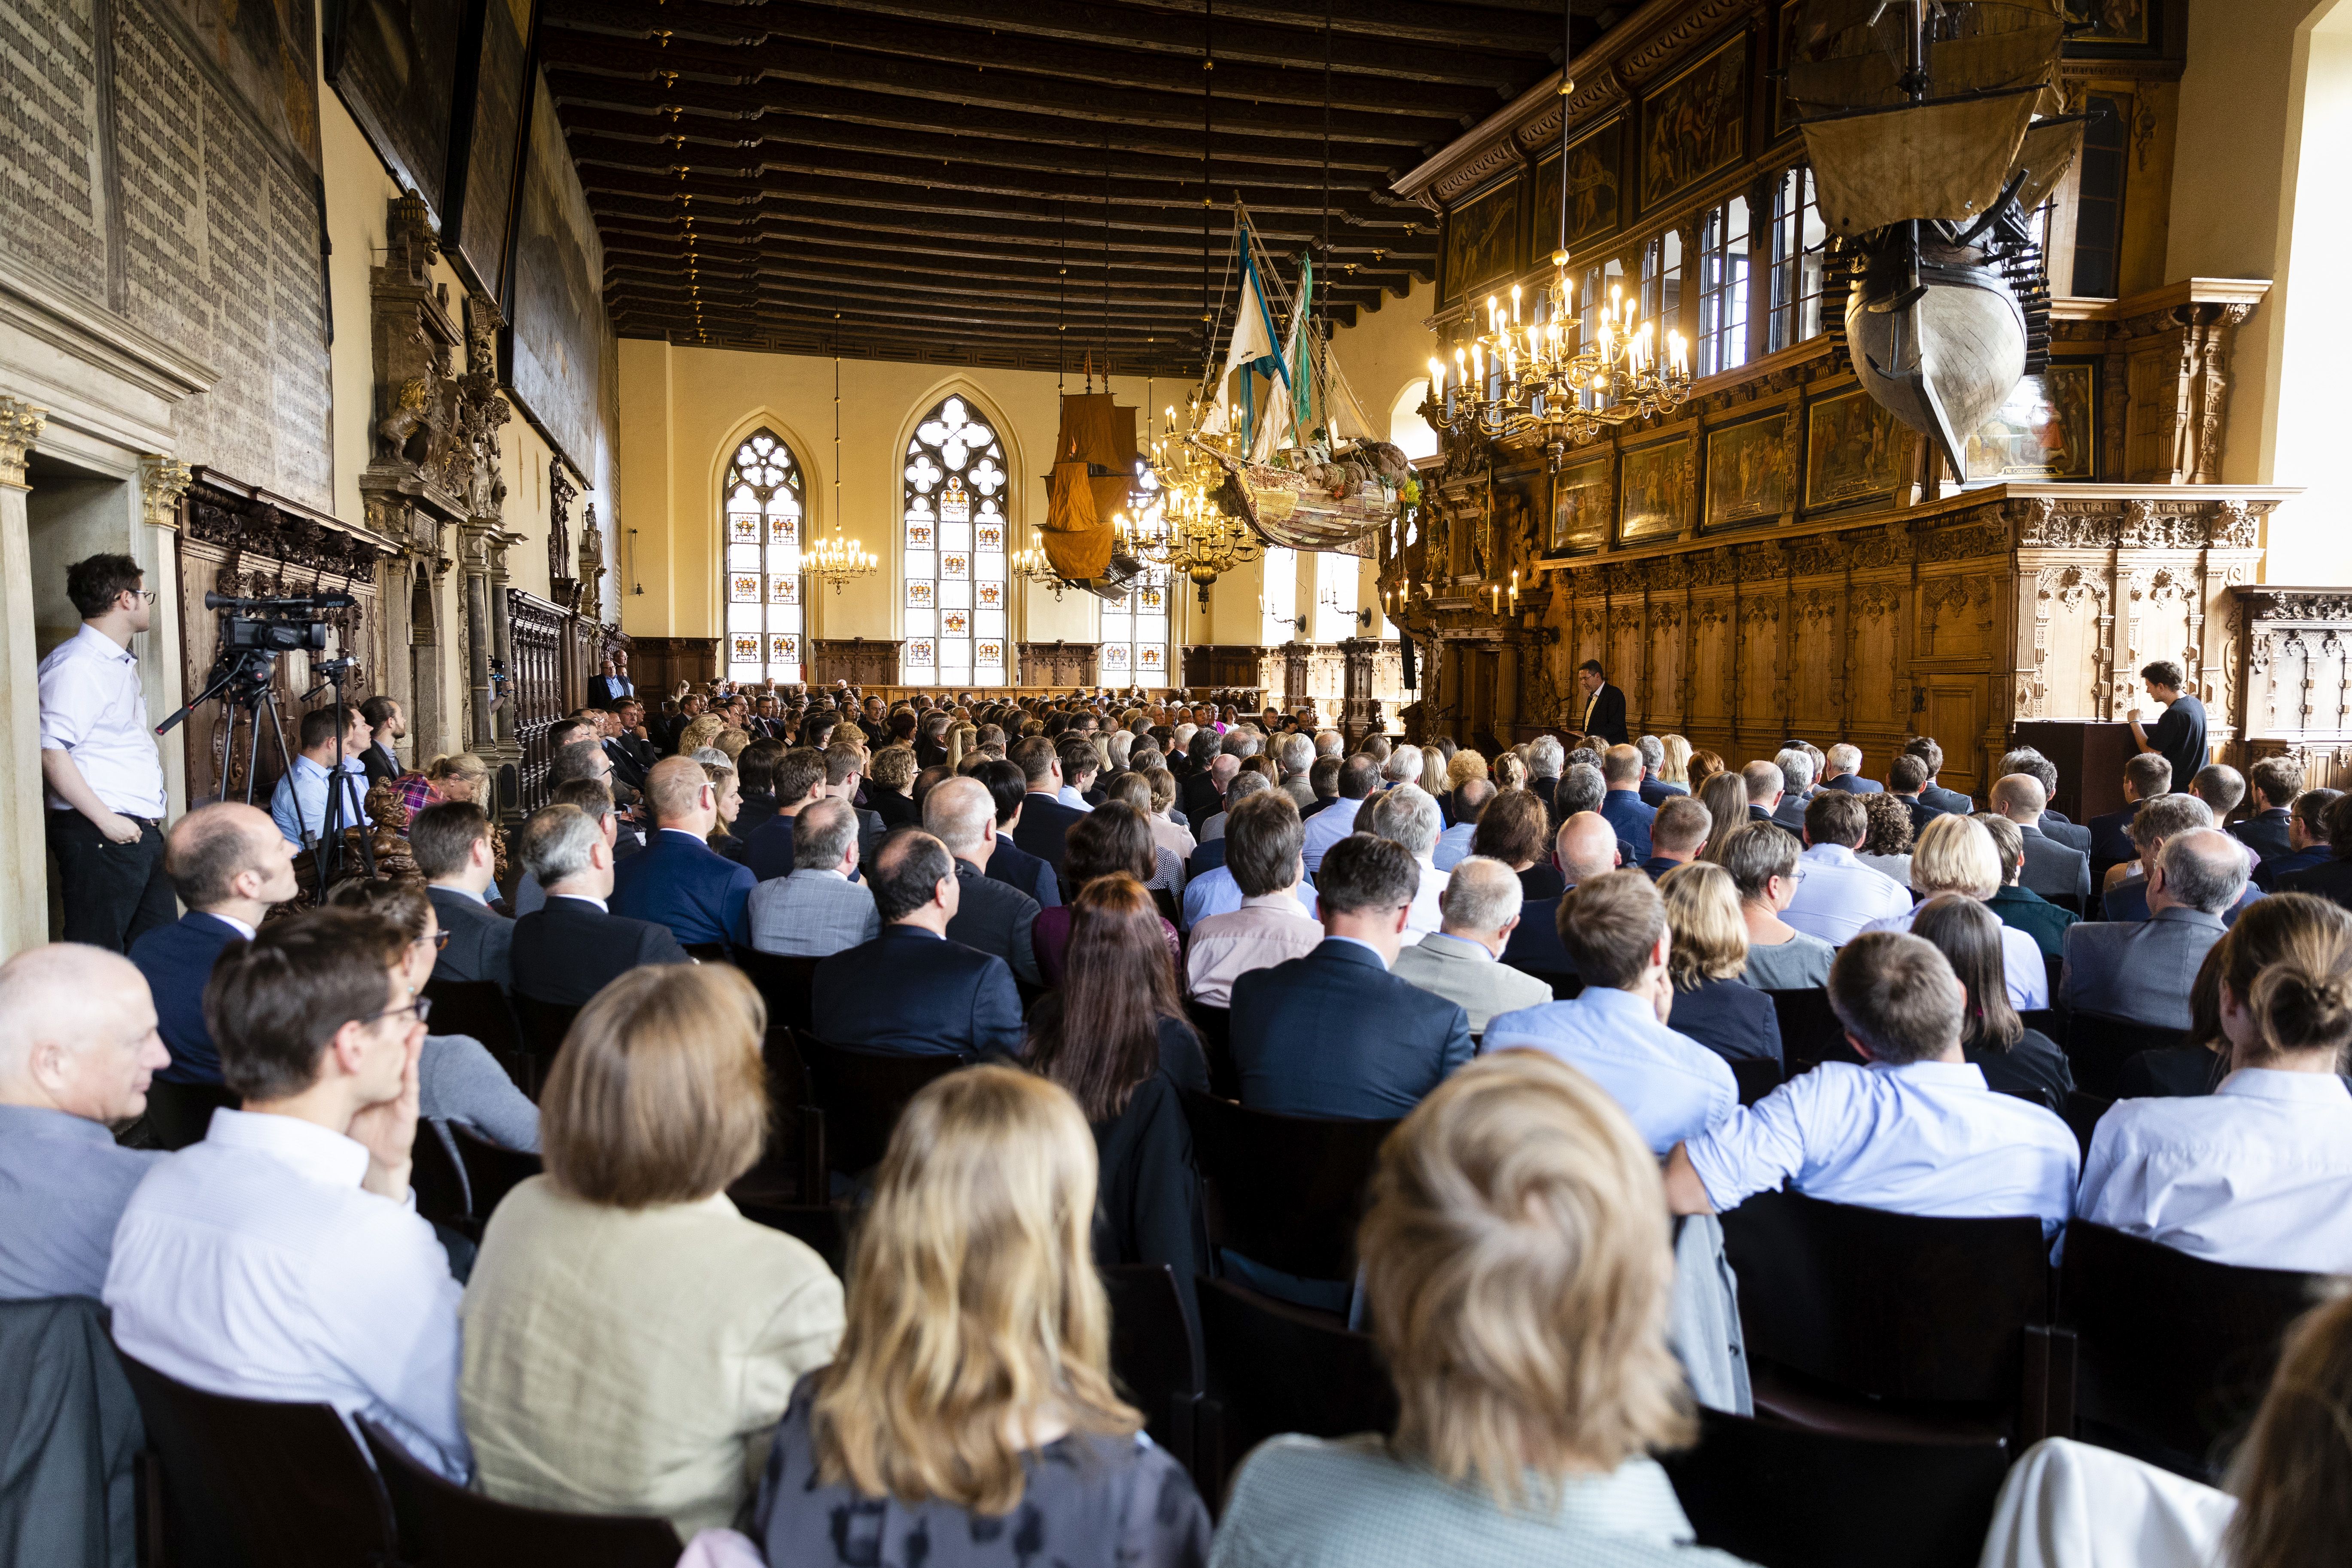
{"x":2259,"y":1174}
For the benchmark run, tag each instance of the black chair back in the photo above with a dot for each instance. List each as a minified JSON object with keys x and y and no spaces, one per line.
{"x":1275,"y":1368}
{"x":1284,"y":1191}
{"x":491,"y":1171}
{"x":260,"y":1484}
{"x":2099,"y":1046}
{"x":2172,"y":1352}
{"x":1784,"y":1497}
{"x":1889,"y":1306}
{"x":1152,"y":1352}
{"x":438,"y":1179}
{"x":1810,"y":1032}
{"x":1757,"y":1077}
{"x":857,"y":1096}
{"x":784,"y":984}
{"x":443,"y":1525}
{"x":824,"y":1228}
{"x":1217,"y":1026}
{"x":479,"y":1008}
{"x":178,"y":1113}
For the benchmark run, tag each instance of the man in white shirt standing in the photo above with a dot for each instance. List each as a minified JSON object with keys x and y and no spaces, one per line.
{"x":282,"y":1258}
{"x":98,"y":760}
{"x":1837,"y":895}
{"x":1916,"y":1132}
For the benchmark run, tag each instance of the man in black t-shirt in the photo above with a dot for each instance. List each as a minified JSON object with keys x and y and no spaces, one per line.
{"x":2179,"y":736}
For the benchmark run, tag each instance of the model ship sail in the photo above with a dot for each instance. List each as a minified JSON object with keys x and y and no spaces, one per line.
{"x":1094,"y":470}
{"x":1933,"y":137}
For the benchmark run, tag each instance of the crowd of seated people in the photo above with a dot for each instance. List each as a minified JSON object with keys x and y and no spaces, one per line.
{"x":1545,"y":960}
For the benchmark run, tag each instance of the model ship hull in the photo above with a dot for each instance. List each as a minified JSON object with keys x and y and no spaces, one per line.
{"x":1289,"y":510}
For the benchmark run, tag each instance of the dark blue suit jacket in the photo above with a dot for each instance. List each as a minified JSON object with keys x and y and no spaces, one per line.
{"x":677,"y":881}
{"x":1334,"y":1033}
{"x":1017,"y":867}
{"x":1535,"y":946}
{"x":911,"y":991}
{"x":1045,"y":822}
{"x":1854,"y":783}
{"x":1623,"y":810}
{"x":1657,"y":792}
{"x":177,"y":960}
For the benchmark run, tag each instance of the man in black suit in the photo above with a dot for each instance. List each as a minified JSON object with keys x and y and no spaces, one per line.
{"x":911,"y":990}
{"x":1044,"y":820}
{"x":1586,"y":846}
{"x":1906,"y":780}
{"x":1604,"y":716}
{"x":2146,"y":776}
{"x":453,"y":848}
{"x":228,"y":863}
{"x":1931,"y":754}
{"x":2276,"y":782}
{"x":573,"y":946}
{"x":1334,"y":1033}
{"x":1011,"y":864}
{"x":2050,"y":869}
{"x":387,"y":724}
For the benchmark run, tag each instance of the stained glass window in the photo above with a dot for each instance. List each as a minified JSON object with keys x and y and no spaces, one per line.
{"x":1135,"y":636}
{"x":764,"y":521}
{"x":954,"y":501}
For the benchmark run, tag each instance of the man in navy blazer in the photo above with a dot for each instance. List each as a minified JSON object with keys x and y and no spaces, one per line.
{"x":1334,"y":1033}
{"x":228,"y":863}
{"x":911,"y":990}
{"x":1044,"y":820}
{"x":677,"y":880}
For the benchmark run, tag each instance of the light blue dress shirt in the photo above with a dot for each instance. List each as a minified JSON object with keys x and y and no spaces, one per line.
{"x":304,"y":790}
{"x":1215,"y":892}
{"x":1838,"y":896}
{"x":1927,"y":1138}
{"x":1674,"y":1087}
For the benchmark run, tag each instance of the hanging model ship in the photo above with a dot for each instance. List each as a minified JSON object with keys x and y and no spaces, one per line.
{"x":1934,"y":133}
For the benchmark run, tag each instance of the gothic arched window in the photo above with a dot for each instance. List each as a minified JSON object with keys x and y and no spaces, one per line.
{"x":954,"y":500}
{"x":764,"y":523}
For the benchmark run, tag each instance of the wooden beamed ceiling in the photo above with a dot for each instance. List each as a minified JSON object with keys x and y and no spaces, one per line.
{"x":1012,"y":181}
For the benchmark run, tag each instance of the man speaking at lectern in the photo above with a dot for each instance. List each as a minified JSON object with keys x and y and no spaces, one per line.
{"x":1604,"y":706}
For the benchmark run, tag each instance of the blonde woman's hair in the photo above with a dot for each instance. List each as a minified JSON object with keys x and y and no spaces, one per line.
{"x":973,"y":1301}
{"x":659,"y":1095}
{"x":1710,"y":938}
{"x":1467,"y":765}
{"x":1432,"y":770}
{"x":1955,"y":854}
{"x":2293,"y":1475}
{"x":1676,"y":769}
{"x":1517,"y":1261}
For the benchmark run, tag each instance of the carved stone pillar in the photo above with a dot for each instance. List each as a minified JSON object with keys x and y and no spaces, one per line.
{"x":24,"y":872}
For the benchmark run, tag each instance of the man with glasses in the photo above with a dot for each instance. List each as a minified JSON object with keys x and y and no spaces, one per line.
{"x":98,"y":760}
{"x":282,"y":1258}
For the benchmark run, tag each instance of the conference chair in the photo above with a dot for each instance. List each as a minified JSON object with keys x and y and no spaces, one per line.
{"x":179,"y":1113}
{"x":491,"y":1171}
{"x":1810,"y":1031}
{"x":1871,"y":1323}
{"x":1275,"y":1368}
{"x":1283,"y":1190}
{"x":2098,"y":1047}
{"x":1153,"y":1353}
{"x":250,"y":1483}
{"x":853,"y":1103}
{"x":2172,"y":1352}
{"x":443,"y":1525}
{"x":1786,"y":1497}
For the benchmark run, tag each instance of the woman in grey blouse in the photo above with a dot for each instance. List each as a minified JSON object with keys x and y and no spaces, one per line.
{"x":1762,"y":860}
{"x":1515,"y":1262}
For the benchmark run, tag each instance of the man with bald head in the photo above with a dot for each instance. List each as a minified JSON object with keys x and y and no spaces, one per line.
{"x":2053,"y":870}
{"x":677,"y":880}
{"x":1584,"y":847}
{"x":229,"y":864}
{"x":1462,"y":959}
{"x":77,"y":1045}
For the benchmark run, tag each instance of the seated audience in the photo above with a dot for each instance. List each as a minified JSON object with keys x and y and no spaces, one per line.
{"x":817,"y":910}
{"x":1707,"y":964}
{"x":1358,"y":777}
{"x":1837,"y":895}
{"x":798,"y":778}
{"x":1584,"y":847}
{"x":2307,"y":841}
{"x":1765,"y":785}
{"x":1956,"y":855}
{"x":78,"y":1047}
{"x":1916,"y":1132}
{"x":2051,"y":870}
{"x":1117,"y":1038}
{"x":1461,"y":960}
{"x":2013,"y":1059}
{"x":1517,"y":1273}
{"x":1271,"y":924}
{"x":1886,"y":836}
{"x":1796,"y":765}
{"x":2258,"y":1173}
{"x":910,"y":989}
{"x":565,"y":952}
{"x":1469,"y":804}
{"x":1761,"y":860}
{"x":2141,"y":971}
{"x":1334,"y":1033}
{"x":991,"y":916}
{"x":1010,"y":863}
{"x":678,"y":880}
{"x":455,"y":851}
{"x":2017,"y":906}
{"x":1114,"y":839}
{"x":282,"y":1258}
{"x":1618,"y":1029}
{"x":2276,"y":782}
{"x":968,"y":1416}
{"x":1622,"y":806}
{"x":2330,"y":878}
{"x":1408,"y":816}
{"x":630,"y":1339}
{"x":1677,"y":834}
{"x":229,"y":864}
{"x":1516,"y":828}
{"x":1841,"y":770}
{"x":2146,"y":776}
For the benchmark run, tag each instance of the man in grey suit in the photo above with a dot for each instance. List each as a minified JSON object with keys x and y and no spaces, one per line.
{"x":453,"y":848}
{"x":817,"y":911}
{"x":2052,"y":870}
{"x":1462,"y":959}
{"x":2141,"y":971}
{"x":991,"y":916}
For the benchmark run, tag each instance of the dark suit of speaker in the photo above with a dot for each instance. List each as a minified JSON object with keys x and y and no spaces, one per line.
{"x":912,"y":992}
{"x":683,"y":883}
{"x":482,"y":942}
{"x":1044,"y":824}
{"x":569,"y":950}
{"x":177,"y":960}
{"x":1016,"y":868}
{"x":1334,"y":1033}
{"x":1606,"y":719}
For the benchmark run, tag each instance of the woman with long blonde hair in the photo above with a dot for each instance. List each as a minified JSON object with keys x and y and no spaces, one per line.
{"x":973,"y":1379}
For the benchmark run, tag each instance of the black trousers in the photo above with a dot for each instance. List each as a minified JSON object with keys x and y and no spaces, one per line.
{"x":114,"y":893}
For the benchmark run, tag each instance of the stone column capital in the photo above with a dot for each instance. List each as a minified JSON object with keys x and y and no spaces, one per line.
{"x":20,"y":427}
